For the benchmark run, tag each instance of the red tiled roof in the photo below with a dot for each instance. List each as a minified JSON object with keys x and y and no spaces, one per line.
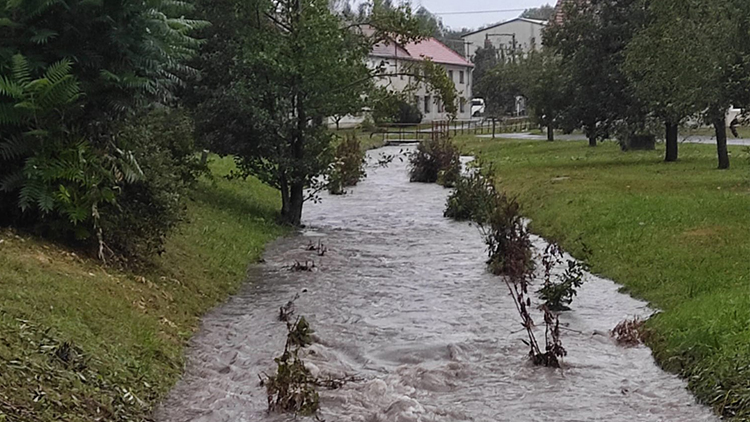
{"x":437,"y":52}
{"x":429,"y":48}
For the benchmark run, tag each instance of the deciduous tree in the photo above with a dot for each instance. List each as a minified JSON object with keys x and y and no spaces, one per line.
{"x":546,"y":87}
{"x":591,"y":41}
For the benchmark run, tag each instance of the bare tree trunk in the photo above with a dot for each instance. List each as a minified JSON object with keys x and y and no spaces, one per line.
{"x":297,"y":200}
{"x":671,"y":139}
{"x":550,"y":133}
{"x":592,"y":141}
{"x":721,"y":142}
{"x":285,"y":198}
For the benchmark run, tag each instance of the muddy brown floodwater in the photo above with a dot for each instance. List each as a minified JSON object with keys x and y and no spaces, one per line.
{"x":403,"y":301}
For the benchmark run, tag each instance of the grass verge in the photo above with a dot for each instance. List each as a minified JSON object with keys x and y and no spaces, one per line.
{"x":81,"y":342}
{"x":674,"y":234}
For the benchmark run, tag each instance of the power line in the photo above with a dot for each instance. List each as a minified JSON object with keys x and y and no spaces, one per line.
{"x":476,"y":12}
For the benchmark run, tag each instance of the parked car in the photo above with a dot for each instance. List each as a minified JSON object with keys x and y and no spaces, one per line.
{"x":477,"y":107}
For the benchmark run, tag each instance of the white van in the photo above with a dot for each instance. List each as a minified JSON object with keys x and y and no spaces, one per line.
{"x":477,"y":107}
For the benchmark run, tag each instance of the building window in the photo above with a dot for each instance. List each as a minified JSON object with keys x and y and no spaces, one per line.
{"x":427,"y":101}
{"x":440,"y":106}
{"x":461,"y":77}
{"x":450,"y":75}
{"x":462,"y":105}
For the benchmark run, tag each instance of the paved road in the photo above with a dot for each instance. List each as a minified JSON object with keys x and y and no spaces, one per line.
{"x":697,"y":139}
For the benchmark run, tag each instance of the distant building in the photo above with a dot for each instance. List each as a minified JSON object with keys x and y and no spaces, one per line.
{"x":397,"y":57}
{"x":518,"y":36}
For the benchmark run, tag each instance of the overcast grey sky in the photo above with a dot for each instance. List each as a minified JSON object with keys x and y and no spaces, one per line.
{"x":457,"y":21}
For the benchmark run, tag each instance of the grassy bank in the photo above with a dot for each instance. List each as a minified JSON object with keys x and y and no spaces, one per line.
{"x":674,"y":234}
{"x":81,"y":342}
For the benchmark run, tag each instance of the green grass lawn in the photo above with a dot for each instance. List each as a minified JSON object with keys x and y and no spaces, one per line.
{"x":82,"y":342}
{"x":674,"y":234}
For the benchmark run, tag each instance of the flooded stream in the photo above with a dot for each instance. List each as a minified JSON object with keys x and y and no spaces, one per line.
{"x":403,"y":301}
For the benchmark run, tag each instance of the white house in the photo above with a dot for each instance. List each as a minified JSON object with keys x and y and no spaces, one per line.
{"x":397,"y":57}
{"x":520,"y":35}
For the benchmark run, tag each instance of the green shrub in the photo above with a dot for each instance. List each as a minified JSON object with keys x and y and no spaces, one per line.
{"x":558,"y":295}
{"x":349,"y":165}
{"x":408,"y":114}
{"x":435,"y":161}
{"x":52,"y":178}
{"x":473,"y":196}
{"x":147,"y":210}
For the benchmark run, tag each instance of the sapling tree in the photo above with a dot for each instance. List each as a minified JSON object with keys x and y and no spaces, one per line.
{"x":546,"y":86}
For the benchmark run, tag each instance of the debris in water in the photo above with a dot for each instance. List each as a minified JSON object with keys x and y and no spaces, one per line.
{"x":308,"y":266}
{"x":320,"y":248}
{"x":628,"y":333}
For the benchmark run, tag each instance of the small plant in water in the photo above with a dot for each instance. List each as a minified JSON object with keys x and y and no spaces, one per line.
{"x":292,"y":388}
{"x":554,"y":349}
{"x":435,"y":161}
{"x":349,"y":166}
{"x":472,"y":198}
{"x":300,"y":333}
{"x":557,"y":296}
{"x":509,"y":250}
{"x":287,"y":311}
{"x":508,"y":243}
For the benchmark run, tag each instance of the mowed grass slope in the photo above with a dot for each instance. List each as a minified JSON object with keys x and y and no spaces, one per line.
{"x":674,"y":234}
{"x":82,"y":342}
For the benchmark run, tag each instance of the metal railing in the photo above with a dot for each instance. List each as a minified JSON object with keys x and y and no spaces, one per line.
{"x":396,"y":133}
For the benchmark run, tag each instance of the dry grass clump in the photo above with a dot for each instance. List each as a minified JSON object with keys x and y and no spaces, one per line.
{"x":628,"y":333}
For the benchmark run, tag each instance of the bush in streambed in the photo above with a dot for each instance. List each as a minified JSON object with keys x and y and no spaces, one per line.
{"x":292,"y":388}
{"x":435,"y":161}
{"x":509,"y":252}
{"x":558,"y":295}
{"x":508,"y":242}
{"x":349,"y":166}
{"x":300,"y":334}
{"x":472,"y":197}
